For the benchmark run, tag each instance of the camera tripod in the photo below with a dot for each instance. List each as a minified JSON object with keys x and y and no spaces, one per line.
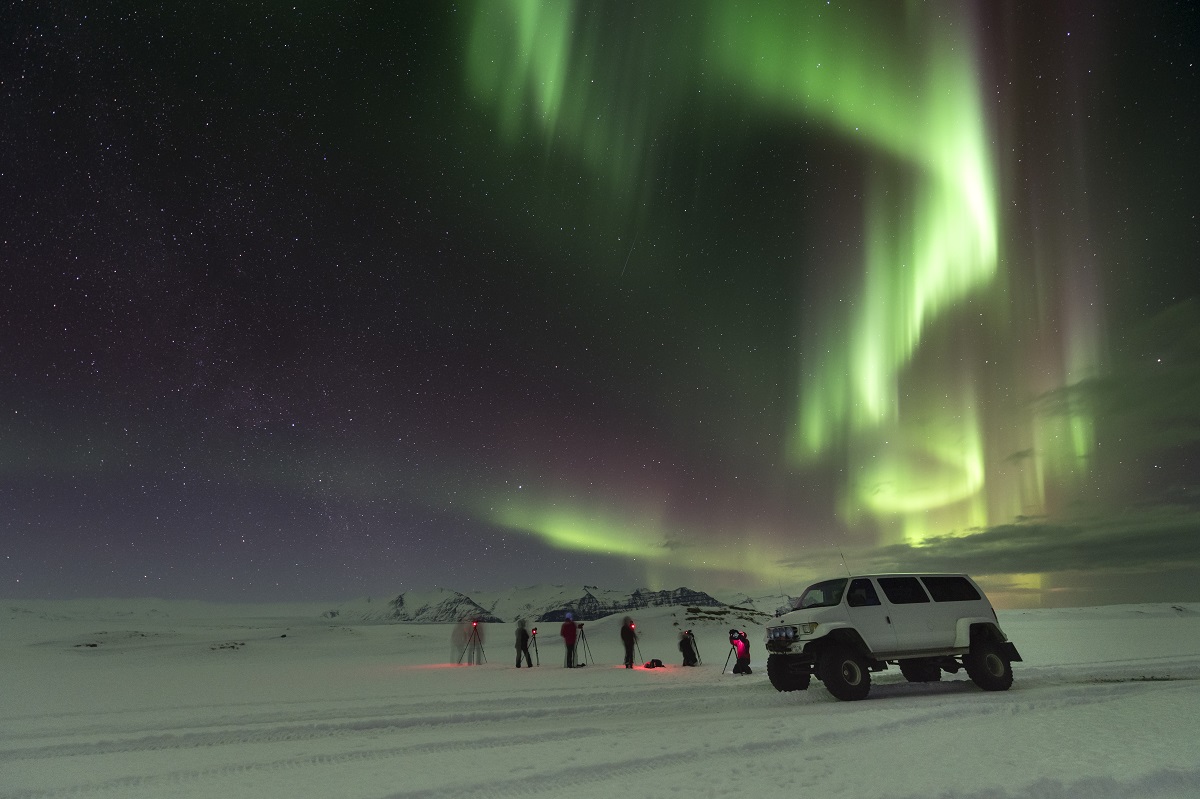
{"x":732,"y":649}
{"x":581,"y":647}
{"x":473,"y":651}
{"x":533,"y":640}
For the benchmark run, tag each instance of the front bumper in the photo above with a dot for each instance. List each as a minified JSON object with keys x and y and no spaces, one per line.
{"x":787,"y":645}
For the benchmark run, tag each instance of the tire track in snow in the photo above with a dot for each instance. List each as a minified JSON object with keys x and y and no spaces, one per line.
{"x":226,"y":734}
{"x":274,"y":734}
{"x":919,"y":705}
{"x":120,"y":720}
{"x":613,"y":776}
{"x":1160,"y":784}
{"x":945,"y":705}
{"x":182,"y":776}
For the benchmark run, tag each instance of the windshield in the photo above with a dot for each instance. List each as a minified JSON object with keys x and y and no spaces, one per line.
{"x":822,"y":595}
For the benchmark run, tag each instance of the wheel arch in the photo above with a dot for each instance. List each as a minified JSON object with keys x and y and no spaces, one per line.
{"x":841,"y":636}
{"x":976,"y":628}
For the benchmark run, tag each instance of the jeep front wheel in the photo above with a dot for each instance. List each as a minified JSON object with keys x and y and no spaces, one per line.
{"x":988,"y":667}
{"x":787,"y":675}
{"x":844,"y":674}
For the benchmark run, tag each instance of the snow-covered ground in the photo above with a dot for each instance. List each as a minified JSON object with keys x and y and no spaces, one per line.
{"x":167,"y":699}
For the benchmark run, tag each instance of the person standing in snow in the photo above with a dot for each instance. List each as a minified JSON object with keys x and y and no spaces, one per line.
{"x":628,"y":638}
{"x":687,"y":645}
{"x":569,"y":631}
{"x":523,"y":644}
{"x":741,"y":648}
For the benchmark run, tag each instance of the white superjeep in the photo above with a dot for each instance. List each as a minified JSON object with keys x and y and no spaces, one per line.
{"x":845,"y":628}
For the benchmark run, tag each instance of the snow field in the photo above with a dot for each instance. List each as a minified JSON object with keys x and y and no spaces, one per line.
{"x":181,"y":704}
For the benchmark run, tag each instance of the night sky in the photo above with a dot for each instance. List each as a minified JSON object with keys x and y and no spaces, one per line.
{"x":336,"y":299}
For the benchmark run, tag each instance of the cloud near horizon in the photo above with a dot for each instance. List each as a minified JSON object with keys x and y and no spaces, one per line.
{"x":1159,"y":538}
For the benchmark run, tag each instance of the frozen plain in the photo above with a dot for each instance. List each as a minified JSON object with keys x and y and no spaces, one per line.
{"x":171,"y":699}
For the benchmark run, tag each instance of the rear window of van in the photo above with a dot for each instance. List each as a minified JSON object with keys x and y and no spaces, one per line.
{"x":950,"y":588}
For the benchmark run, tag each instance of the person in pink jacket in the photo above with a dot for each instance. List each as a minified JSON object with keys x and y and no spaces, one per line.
{"x":741,"y":648}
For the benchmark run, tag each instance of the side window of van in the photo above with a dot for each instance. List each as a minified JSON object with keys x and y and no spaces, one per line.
{"x":903,"y":590}
{"x":952,"y":588}
{"x":861,"y":594}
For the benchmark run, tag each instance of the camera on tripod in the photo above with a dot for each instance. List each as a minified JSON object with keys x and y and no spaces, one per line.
{"x":534,"y":631}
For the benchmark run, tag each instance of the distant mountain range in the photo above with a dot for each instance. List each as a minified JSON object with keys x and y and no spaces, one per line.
{"x":535,"y":604}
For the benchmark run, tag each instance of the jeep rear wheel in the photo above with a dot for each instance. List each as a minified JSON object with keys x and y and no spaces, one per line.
{"x":987,"y":666}
{"x":920,"y":670}
{"x":844,"y":674}
{"x":786,"y":674}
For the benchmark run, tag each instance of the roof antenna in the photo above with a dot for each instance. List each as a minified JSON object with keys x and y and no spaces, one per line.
{"x":844,"y":566}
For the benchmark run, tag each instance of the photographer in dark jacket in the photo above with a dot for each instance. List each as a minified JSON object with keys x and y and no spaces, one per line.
{"x":569,"y":633}
{"x":687,"y":645}
{"x":628,"y":638}
{"x":523,"y":644}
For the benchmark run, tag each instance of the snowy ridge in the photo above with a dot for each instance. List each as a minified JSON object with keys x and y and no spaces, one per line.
{"x":438,"y":606}
{"x":774,"y":604}
{"x":596,"y":604}
{"x":538,"y":603}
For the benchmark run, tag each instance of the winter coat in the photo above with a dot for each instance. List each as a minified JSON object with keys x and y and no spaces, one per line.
{"x":688,"y":648}
{"x":568,"y":632}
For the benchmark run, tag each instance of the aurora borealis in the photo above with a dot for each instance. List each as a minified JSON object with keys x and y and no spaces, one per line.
{"x":335,"y":300}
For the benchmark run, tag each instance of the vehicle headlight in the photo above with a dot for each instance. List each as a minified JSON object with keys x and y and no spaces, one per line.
{"x":808,"y":628}
{"x":781,"y":633}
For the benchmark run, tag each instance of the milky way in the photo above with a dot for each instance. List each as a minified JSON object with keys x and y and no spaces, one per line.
{"x":324,"y":300}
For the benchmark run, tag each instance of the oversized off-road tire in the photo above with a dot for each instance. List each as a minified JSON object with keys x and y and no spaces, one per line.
{"x":844,"y":673}
{"x":786,"y":675}
{"x":988,"y":666}
{"x":920,"y":670}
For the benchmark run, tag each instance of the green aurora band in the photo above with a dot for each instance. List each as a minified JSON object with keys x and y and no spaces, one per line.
{"x":915,"y":99}
{"x":908,"y":383}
